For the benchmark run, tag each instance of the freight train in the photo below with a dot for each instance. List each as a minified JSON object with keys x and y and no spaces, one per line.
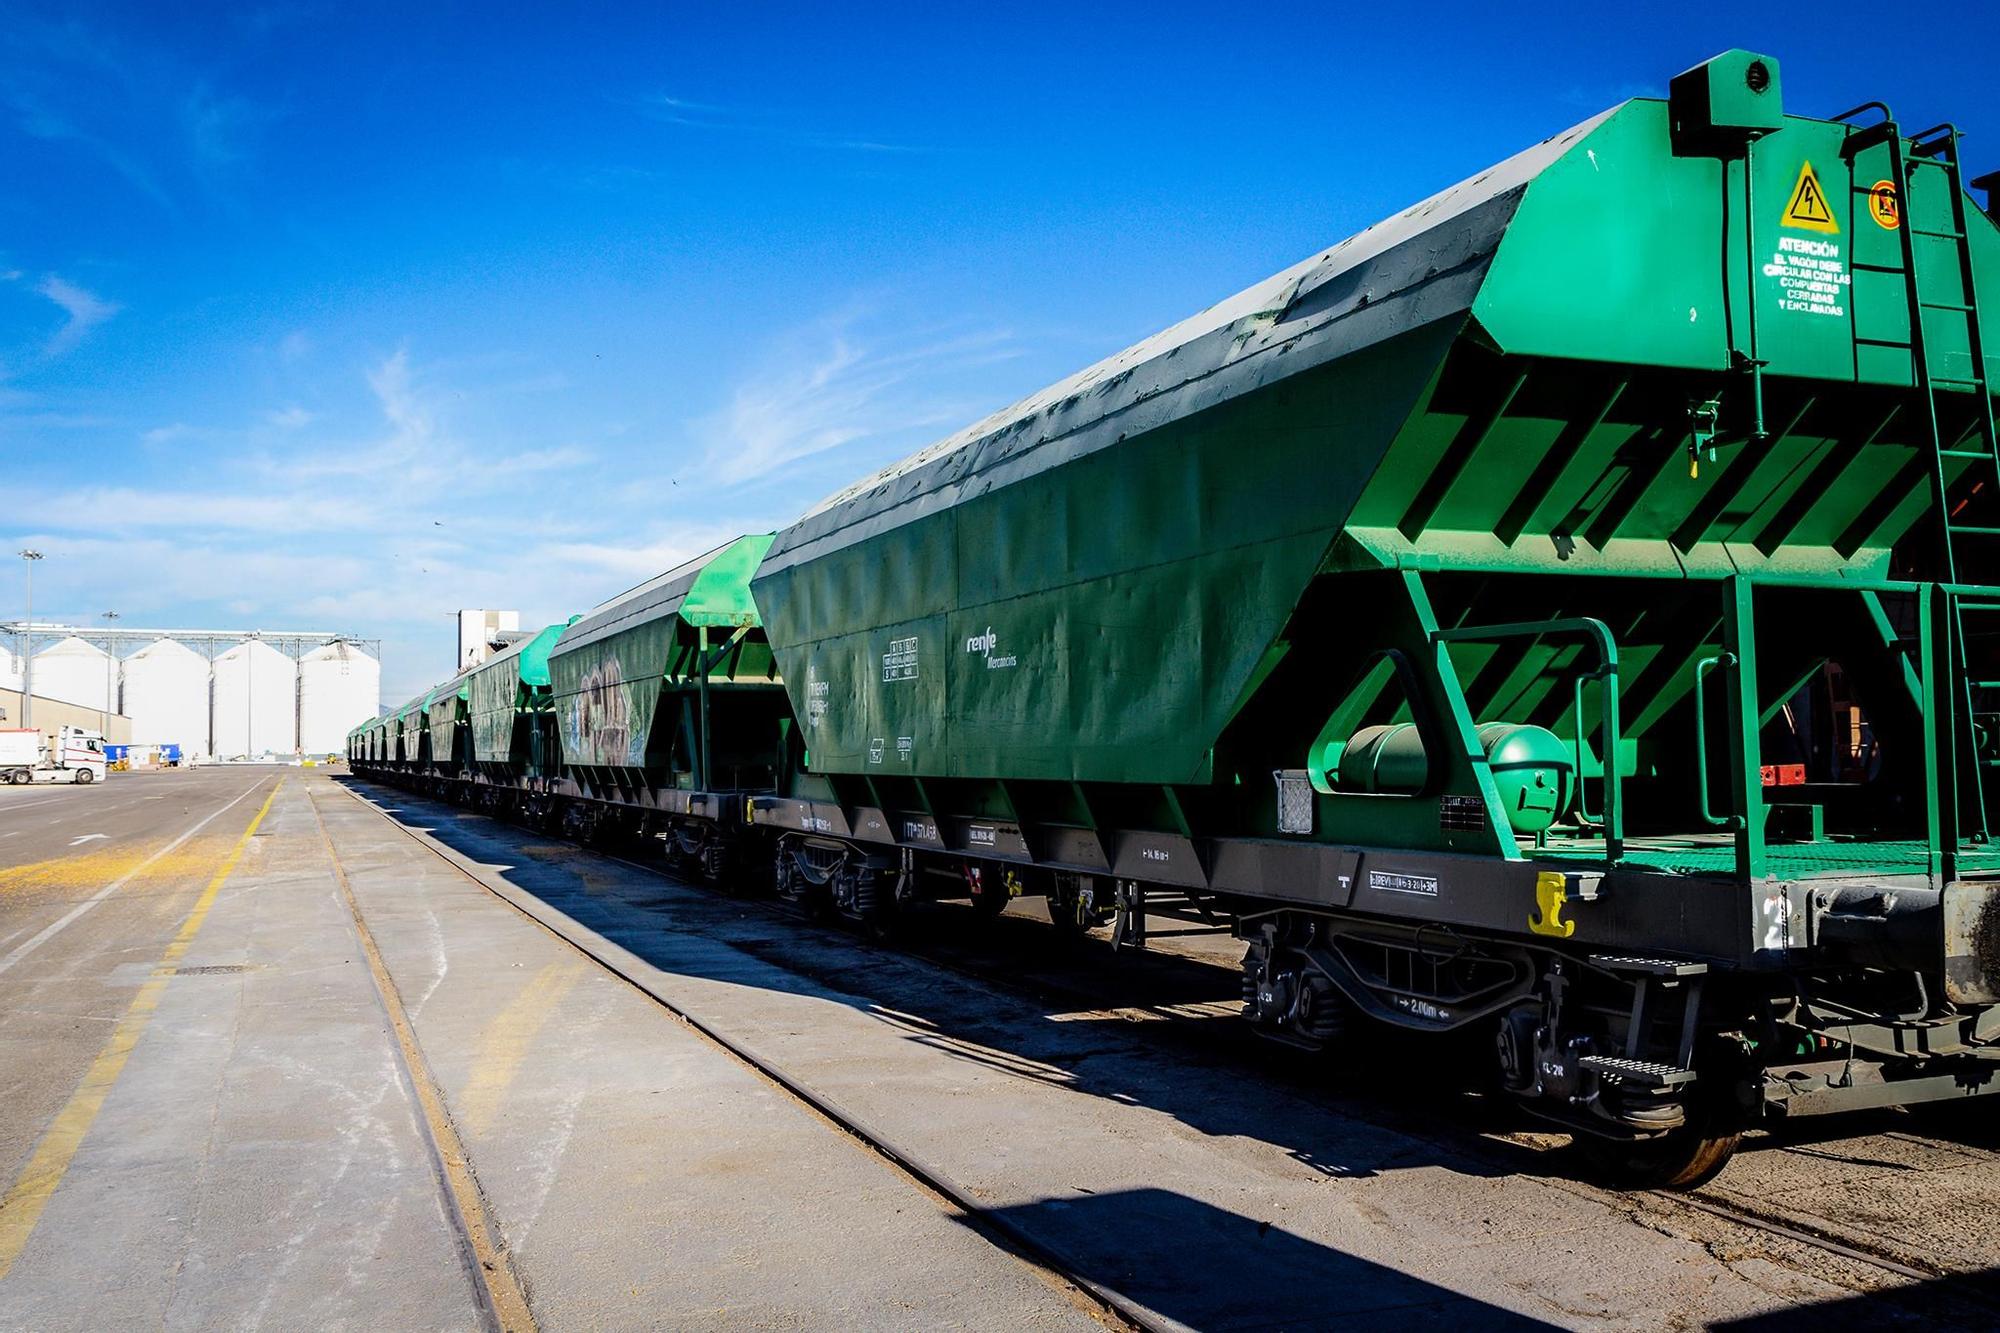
{"x":1566,"y":614}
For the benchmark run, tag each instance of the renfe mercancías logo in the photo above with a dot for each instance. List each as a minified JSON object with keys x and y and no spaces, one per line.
{"x":986,"y":644}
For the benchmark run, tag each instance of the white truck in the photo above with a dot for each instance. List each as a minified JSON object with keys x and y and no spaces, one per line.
{"x":75,"y":756}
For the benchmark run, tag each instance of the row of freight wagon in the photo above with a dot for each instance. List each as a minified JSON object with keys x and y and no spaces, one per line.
{"x":1566,"y":614}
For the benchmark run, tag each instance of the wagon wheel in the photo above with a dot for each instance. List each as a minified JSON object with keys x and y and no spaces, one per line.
{"x":1682,"y":1159}
{"x":993,"y":895}
{"x":1071,"y":916}
{"x":1694,"y":1152}
{"x":862,"y":900}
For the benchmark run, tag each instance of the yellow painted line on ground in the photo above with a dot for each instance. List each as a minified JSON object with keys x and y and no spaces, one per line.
{"x":22,"y":1206}
{"x":503,"y":1300}
{"x":504,"y":1043}
{"x":62,"y":923}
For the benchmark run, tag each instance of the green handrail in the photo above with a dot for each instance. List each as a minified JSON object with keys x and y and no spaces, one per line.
{"x":1701,"y":670}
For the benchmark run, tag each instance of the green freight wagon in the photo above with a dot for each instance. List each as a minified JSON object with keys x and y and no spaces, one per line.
{"x":447,"y":726}
{"x":667,"y":707}
{"x":514,"y":752}
{"x":1567,"y":610}
{"x":412,"y":744}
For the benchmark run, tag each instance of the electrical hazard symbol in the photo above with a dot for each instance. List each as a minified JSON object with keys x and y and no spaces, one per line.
{"x":1808,"y":209}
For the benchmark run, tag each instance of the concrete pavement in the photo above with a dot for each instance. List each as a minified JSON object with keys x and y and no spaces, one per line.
{"x":266,"y":1059}
{"x":208,"y":1120}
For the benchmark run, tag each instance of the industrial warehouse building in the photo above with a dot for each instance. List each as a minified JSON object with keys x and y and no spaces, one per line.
{"x":271,"y":695}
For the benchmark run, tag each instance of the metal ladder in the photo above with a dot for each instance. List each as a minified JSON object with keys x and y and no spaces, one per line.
{"x":1938,"y":147}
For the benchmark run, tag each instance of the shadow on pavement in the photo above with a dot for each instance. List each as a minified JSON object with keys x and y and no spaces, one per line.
{"x":676,"y":928}
{"x":1963,"y":1300}
{"x":1259,"y":1275}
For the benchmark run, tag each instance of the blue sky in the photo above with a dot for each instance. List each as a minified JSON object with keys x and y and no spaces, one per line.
{"x":346,"y":316}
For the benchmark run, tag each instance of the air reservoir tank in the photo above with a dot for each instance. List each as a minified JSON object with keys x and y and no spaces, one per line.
{"x":1533,"y":771}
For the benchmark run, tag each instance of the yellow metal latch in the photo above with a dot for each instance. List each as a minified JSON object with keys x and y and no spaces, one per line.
{"x":1551,"y":896}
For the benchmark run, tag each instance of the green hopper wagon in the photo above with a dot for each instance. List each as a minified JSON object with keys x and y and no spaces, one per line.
{"x":1570,"y":609}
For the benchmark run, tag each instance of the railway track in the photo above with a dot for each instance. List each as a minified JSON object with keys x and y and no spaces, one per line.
{"x":1504,"y":1149}
{"x":1111,"y":1306}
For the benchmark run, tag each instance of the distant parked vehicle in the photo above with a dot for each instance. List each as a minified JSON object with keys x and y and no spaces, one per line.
{"x":77,"y":756}
{"x":121,"y":757}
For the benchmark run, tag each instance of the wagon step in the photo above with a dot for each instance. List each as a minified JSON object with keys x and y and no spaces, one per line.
{"x":1646,"y":1073}
{"x":1650,"y":967}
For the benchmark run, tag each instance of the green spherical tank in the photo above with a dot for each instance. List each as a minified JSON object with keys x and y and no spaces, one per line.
{"x":1533,"y":770}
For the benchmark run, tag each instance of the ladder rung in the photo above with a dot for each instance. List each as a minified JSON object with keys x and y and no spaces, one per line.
{"x":1975,"y":532}
{"x":1963,"y":384}
{"x":1966,"y":453}
{"x":1984,"y":684}
{"x":1881,"y":342}
{"x":1945,"y":305}
{"x":1878,"y":268}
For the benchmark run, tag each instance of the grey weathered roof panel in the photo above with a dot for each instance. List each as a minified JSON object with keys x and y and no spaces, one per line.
{"x":1424,"y":264}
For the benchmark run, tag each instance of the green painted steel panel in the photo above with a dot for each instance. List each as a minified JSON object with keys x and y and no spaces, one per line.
{"x":505,"y":685}
{"x":533,"y":657}
{"x":493,"y":707}
{"x":720,"y":593}
{"x":443,"y":710}
{"x":1097,"y":622}
{"x":1091,"y":585}
{"x":607,"y":671}
{"x":1619,"y":250}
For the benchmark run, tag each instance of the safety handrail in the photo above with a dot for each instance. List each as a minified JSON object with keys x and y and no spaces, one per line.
{"x":1853,"y":111}
{"x":1701,"y":670}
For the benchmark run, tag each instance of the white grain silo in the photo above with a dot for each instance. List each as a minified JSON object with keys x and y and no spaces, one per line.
{"x":256,"y":702}
{"x":166,"y":696}
{"x":76,"y":673}
{"x":339,"y":687}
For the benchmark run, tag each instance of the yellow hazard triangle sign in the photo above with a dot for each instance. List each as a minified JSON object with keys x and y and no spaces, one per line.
{"x":1808,"y":209}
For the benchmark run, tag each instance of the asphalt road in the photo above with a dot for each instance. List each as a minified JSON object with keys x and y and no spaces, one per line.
{"x":94,"y":882}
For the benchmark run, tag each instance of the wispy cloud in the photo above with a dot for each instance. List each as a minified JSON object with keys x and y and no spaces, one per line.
{"x":39,"y":120}
{"x":640,"y":560}
{"x":85,"y":311}
{"x":154,"y":119}
{"x":172,"y":432}
{"x":843,"y":382}
{"x":406,"y":410}
{"x":218,"y":126}
{"x":432,"y":514}
{"x":770,"y":123}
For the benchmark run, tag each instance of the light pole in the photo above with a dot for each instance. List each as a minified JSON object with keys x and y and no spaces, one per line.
{"x":110,"y":659}
{"x":29,"y":558}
